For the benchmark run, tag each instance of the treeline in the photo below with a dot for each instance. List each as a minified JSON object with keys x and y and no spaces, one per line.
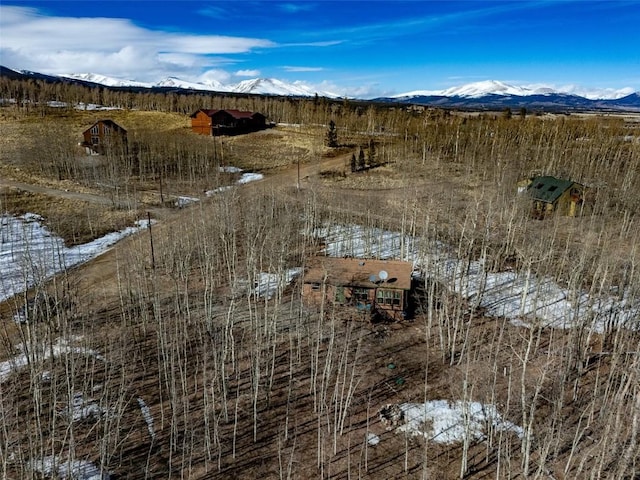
{"x":33,"y":95}
{"x":499,"y":149}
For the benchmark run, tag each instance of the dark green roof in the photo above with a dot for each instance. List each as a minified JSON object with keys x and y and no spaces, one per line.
{"x":548,"y":189}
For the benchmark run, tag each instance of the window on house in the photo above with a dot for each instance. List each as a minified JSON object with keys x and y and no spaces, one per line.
{"x":360,"y":294}
{"x":95,"y":140}
{"x":397,"y":296}
{"x":315,"y":287}
{"x":539,"y":186}
{"x":389,"y":297}
{"x":552,"y":188}
{"x":94,"y":130}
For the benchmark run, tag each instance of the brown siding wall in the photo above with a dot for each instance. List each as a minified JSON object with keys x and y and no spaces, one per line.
{"x":201,"y":124}
{"x":103,"y":135}
{"x":314,"y":296}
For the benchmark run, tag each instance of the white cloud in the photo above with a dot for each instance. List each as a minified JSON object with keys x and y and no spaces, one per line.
{"x":31,"y":40}
{"x":213,"y":12}
{"x":367,"y":90}
{"x":327,"y":43}
{"x":247,"y":73}
{"x":296,"y":7}
{"x":596,"y":93}
{"x":289,"y":68}
{"x":215,"y":75}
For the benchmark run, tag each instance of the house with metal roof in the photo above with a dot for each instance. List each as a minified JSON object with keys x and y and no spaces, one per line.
{"x":226,"y":122}
{"x":369,"y":287}
{"x":551,"y":194}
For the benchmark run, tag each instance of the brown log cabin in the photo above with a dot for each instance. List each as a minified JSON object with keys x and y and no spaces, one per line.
{"x":102,"y":136}
{"x":226,"y":122}
{"x":371,"y":288}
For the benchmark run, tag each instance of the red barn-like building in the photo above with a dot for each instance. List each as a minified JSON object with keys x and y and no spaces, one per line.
{"x":226,"y":122}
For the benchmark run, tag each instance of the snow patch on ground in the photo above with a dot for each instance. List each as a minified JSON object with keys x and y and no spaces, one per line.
{"x":373,"y":439}
{"x":81,"y":106}
{"x":182,"y":202}
{"x":51,"y":466}
{"x":30,"y":253}
{"x":229,"y":169}
{"x":211,"y":193}
{"x":244,"y":179}
{"x":82,"y":408}
{"x":447,"y":422}
{"x":250,"y":177}
{"x":43,"y":352}
{"x":518,"y":296}
{"x":360,"y":242}
{"x":148,"y":418}
{"x":268,"y":284}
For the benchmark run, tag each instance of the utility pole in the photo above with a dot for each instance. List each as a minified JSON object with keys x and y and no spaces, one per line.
{"x":153,"y":256}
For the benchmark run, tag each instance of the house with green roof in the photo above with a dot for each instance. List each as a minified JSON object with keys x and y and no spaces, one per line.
{"x":550,"y":194}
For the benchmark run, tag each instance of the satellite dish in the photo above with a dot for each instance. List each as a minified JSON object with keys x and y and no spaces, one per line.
{"x":383,"y":275}
{"x":373,"y":278}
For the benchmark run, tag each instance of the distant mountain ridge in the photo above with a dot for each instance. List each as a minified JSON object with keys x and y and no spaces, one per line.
{"x":260,"y":86}
{"x":496,"y":87}
{"x":551,"y":102}
{"x":485,"y":95}
{"x":493,"y":94}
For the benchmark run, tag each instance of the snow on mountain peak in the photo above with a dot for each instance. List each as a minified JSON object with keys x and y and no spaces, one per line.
{"x":496,"y":87}
{"x":104,"y":80}
{"x":273,"y":86}
{"x":597,"y":93}
{"x":487,"y":87}
{"x":175,"y":82}
{"x":261,"y":86}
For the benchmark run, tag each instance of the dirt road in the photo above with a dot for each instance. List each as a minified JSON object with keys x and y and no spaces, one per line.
{"x":68,"y":194}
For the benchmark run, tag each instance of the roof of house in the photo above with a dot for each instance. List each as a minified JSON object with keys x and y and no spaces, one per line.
{"x":237,"y":114}
{"x":357,"y":272}
{"x":111,"y":123}
{"x":548,"y":189}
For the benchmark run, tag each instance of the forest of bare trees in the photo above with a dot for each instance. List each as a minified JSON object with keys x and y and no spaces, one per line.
{"x":182,"y":365}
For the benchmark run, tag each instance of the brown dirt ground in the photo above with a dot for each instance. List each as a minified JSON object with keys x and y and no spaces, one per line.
{"x":405,"y":344}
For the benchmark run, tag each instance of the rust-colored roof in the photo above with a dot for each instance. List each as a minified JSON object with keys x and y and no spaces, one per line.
{"x":237,"y":114}
{"x":358,"y":272}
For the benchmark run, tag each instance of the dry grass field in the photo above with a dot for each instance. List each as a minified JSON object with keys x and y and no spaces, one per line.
{"x":170,"y":364}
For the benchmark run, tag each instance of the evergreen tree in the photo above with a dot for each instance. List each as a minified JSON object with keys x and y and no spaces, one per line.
{"x":332,"y":135}
{"x":353,"y":163}
{"x":372,"y":153}
{"x":361,"y":161}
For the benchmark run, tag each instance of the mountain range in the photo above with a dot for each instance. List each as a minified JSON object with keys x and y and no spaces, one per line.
{"x":485,"y":95}
{"x":259,"y":86}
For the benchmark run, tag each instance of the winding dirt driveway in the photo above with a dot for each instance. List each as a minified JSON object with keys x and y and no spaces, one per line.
{"x":68,"y":194}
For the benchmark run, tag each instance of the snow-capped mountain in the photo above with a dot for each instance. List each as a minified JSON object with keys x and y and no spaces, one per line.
{"x":273,"y":86}
{"x":496,"y":87}
{"x":260,"y":86}
{"x":486,"y":95}
{"x":104,"y":80}
{"x":210,"y":85}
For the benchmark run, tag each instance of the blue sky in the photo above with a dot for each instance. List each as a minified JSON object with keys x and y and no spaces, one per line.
{"x":361,"y":48}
